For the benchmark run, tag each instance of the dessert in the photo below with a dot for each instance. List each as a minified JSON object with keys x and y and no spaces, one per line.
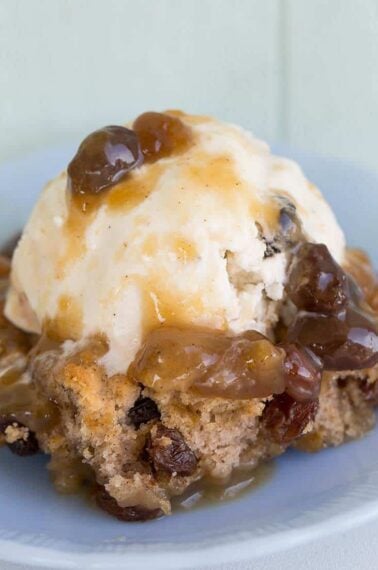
{"x":181,"y":305}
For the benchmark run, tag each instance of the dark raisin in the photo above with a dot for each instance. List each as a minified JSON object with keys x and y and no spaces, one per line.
{"x":161,"y":135}
{"x":143,"y":411}
{"x":24,"y":446}
{"x":348,"y":341}
{"x":302,"y":373}
{"x":286,"y":419}
{"x":126,"y":514}
{"x":342,"y":382}
{"x":271,"y":248}
{"x":317,"y":283}
{"x":168,"y":451}
{"x":289,"y":230}
{"x":6,"y":421}
{"x":370,"y":391}
{"x":103,"y":158}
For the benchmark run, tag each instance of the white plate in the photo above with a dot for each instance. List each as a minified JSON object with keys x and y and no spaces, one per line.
{"x":308,"y":496}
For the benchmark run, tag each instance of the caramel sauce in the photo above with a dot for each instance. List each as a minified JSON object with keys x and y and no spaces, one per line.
{"x":70,"y":475}
{"x":191,"y":119}
{"x":184,"y":250}
{"x":163,"y":307}
{"x":216,"y":173}
{"x":359,"y":267}
{"x":123,"y":197}
{"x":75,"y":226}
{"x":68,"y":322}
{"x":213,"y":364}
{"x":131,"y":192}
{"x":18,"y":396}
{"x":21,"y":401}
{"x":209,"y":491}
{"x":150,"y":246}
{"x":161,"y":135}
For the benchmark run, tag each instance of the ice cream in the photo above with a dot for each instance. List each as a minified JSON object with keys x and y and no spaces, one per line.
{"x":186,"y":240}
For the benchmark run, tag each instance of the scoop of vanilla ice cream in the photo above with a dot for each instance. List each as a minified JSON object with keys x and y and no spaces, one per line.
{"x":179,"y":242}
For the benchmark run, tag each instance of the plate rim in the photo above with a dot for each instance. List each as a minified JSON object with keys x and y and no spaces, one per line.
{"x":249,"y":548}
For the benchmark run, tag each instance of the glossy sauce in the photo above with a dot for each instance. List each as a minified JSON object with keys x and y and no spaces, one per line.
{"x":217,"y":174}
{"x":68,"y":324}
{"x":18,"y":396}
{"x":209,"y":491}
{"x":20,"y":400}
{"x":162,"y":306}
{"x":161,"y":135}
{"x":359,"y":267}
{"x":239,"y":367}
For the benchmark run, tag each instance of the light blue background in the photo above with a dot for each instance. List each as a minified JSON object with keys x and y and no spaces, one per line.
{"x":304,"y":72}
